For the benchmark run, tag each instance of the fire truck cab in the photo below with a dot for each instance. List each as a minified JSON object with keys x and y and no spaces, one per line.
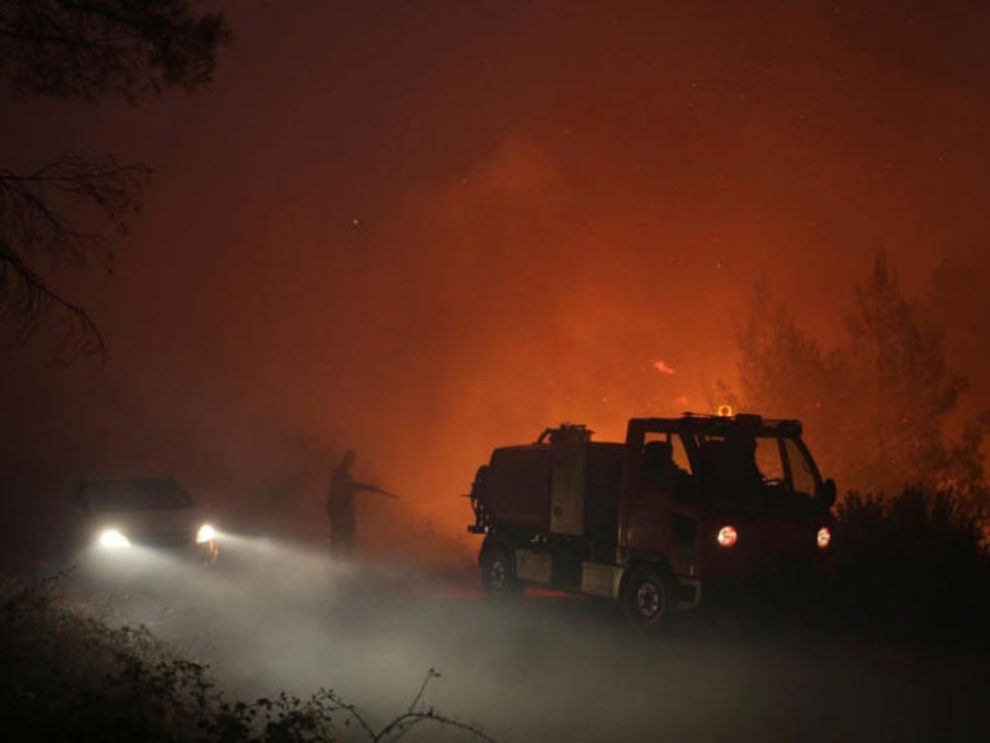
{"x":683,"y":507}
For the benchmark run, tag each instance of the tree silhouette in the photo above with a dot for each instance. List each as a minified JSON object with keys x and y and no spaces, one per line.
{"x":782,"y":370}
{"x":90,"y":50}
{"x":32,"y":226}
{"x":903,"y":387}
{"x":875,"y":406}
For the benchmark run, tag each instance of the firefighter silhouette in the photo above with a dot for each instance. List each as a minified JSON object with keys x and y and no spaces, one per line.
{"x":660,"y":470}
{"x":340,"y":504}
{"x":730,"y":469}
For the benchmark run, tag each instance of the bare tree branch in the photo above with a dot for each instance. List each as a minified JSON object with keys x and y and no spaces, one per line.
{"x":34,"y":228}
{"x":90,"y":50}
{"x":414,"y":715}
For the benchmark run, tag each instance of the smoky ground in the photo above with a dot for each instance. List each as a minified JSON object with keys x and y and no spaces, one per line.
{"x":284,"y":615}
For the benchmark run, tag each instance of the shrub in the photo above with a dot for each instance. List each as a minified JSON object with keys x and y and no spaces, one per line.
{"x":69,"y":677}
{"x":913,"y":564}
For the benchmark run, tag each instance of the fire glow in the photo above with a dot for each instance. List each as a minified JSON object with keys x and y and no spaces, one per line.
{"x":663,"y":367}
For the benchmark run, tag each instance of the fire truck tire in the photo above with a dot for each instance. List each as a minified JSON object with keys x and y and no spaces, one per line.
{"x":648,"y":598}
{"x":498,"y":575}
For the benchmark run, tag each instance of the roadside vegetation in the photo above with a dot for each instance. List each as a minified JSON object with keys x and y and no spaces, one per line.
{"x":69,"y":677}
{"x":915,"y":566}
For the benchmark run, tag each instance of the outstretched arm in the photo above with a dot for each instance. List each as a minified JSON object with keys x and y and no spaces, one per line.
{"x":369,"y":488}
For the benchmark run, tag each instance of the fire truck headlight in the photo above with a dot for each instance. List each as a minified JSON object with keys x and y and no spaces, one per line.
{"x":206,"y":533}
{"x":727,"y":536}
{"x":823,"y":538}
{"x":113,"y":539}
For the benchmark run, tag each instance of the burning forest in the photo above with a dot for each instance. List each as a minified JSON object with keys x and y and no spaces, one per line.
{"x":494,"y":371}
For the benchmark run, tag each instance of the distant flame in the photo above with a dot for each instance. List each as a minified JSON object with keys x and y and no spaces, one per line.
{"x":663,"y":367}
{"x":725,"y":411}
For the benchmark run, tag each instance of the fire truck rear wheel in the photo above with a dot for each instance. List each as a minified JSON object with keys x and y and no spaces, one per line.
{"x":648,"y":597}
{"x":498,"y":577}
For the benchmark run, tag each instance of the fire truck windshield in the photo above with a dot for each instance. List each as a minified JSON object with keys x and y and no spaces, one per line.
{"x":754,"y":468}
{"x":802,"y":468}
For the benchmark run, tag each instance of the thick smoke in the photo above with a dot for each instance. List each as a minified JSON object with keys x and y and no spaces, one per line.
{"x":280,"y":616}
{"x":462,"y":225}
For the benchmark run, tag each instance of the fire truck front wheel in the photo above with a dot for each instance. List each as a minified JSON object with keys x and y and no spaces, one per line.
{"x":498,"y":577}
{"x":648,"y":598}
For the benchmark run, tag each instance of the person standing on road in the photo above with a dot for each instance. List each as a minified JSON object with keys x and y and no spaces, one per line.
{"x":340,"y":505}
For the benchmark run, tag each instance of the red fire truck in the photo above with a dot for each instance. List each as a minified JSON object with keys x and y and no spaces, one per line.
{"x":684,"y":507}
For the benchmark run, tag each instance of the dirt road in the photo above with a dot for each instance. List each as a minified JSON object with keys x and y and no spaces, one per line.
{"x":543,"y":668}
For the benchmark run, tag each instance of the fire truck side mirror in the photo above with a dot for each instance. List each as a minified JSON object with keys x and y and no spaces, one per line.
{"x":828,"y":493}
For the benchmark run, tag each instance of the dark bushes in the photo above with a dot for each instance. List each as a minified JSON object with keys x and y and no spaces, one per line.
{"x":914,"y":565}
{"x":67,"y":677}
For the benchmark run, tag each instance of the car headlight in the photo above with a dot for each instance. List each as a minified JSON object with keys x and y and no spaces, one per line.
{"x":206,"y":533}
{"x":113,"y":539}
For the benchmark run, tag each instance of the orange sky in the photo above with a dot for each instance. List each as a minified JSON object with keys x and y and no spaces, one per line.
{"x":424,"y":231}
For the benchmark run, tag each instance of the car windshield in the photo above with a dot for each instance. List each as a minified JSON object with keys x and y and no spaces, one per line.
{"x":138,"y":495}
